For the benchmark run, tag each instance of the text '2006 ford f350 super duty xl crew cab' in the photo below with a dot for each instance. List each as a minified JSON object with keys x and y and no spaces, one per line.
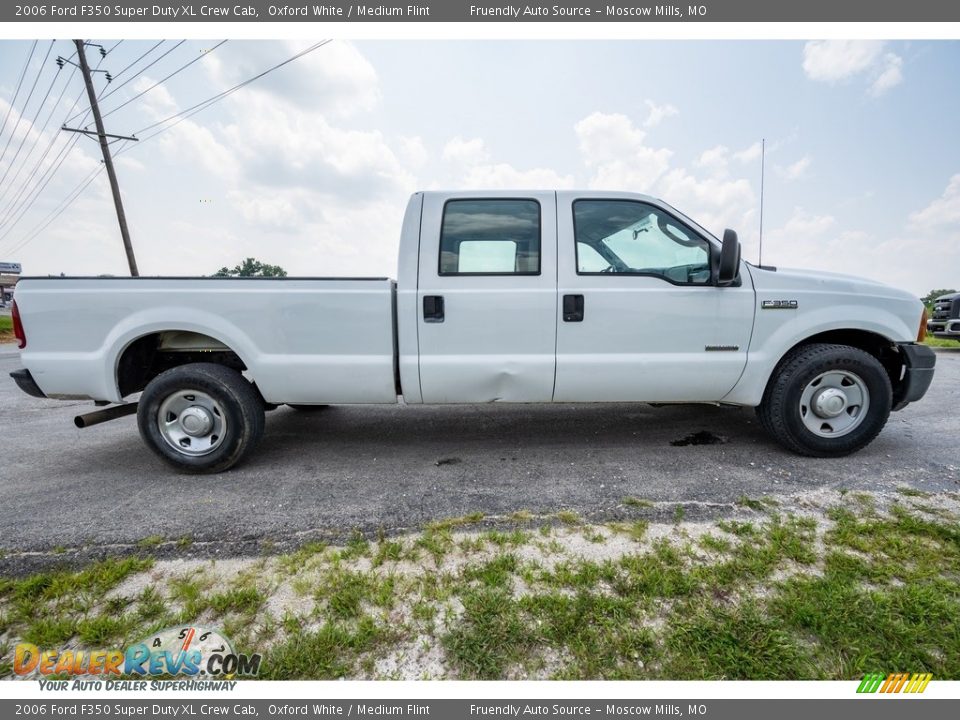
{"x":524,"y":297}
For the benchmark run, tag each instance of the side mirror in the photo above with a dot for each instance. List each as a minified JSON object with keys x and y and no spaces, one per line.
{"x":729,"y":266}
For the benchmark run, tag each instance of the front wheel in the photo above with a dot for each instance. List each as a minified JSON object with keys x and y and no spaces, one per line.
{"x":826,"y":400}
{"x":201,"y":417}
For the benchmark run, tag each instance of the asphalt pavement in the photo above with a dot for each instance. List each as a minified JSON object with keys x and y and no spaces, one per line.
{"x":68,"y":495}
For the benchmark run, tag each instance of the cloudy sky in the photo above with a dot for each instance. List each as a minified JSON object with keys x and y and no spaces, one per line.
{"x":311,"y":166}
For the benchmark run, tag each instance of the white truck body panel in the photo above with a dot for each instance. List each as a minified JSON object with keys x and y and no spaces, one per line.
{"x":503,"y":338}
{"x":310,"y":341}
{"x":499,"y":339}
{"x":825,"y":302}
{"x":644,"y":338}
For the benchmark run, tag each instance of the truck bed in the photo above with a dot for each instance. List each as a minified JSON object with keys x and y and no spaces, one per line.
{"x":305,"y":340}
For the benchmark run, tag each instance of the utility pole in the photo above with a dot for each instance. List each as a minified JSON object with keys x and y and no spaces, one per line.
{"x":107,"y":158}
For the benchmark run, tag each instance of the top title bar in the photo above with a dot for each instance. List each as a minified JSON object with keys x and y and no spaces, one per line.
{"x":463,"y":11}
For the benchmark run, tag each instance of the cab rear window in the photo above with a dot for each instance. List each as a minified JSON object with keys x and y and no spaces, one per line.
{"x":490,"y":237}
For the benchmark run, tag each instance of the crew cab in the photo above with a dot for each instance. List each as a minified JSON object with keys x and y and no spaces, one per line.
{"x":519,"y":297}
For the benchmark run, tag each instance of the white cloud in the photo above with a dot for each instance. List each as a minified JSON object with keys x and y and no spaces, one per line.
{"x":838,"y":60}
{"x":465,"y":152}
{"x":942,"y":212}
{"x":503,"y":176}
{"x":802,"y":225}
{"x":796,"y":170}
{"x":335,"y":78}
{"x":834,"y":60}
{"x":658,"y":113}
{"x":715,"y":159}
{"x":890,"y":77}
{"x":475,"y":170}
{"x":412,"y":152}
{"x":749,"y":154}
{"x":616,"y":153}
{"x":614,"y":149}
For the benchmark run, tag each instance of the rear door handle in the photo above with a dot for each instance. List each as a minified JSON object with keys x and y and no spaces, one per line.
{"x":573,"y":308}
{"x":433,"y":308}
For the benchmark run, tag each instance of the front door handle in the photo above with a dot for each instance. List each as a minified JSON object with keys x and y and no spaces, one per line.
{"x":433,"y":308}
{"x":573,"y":308}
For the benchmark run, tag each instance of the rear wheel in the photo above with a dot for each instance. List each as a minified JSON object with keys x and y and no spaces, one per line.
{"x":826,"y":400}
{"x":201,"y":417}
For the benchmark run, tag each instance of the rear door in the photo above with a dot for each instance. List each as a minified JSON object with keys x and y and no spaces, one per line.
{"x":487,"y":297}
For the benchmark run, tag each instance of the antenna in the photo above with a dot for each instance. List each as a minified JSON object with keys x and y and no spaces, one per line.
{"x":763,"y":152}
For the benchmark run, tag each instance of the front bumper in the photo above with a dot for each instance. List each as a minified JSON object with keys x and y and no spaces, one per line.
{"x":25,"y":382}
{"x":918,"y":365}
{"x":947,"y":330}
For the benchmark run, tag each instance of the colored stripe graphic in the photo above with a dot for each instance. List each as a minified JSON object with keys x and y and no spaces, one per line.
{"x":894,"y":683}
{"x":870,"y":683}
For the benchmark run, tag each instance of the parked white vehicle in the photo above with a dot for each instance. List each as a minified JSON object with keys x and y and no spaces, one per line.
{"x":525,"y":297}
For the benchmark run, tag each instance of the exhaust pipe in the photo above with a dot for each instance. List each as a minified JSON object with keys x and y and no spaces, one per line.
{"x":102,"y":416}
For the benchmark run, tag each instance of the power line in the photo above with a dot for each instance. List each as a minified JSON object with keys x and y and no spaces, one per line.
{"x":116,"y":75}
{"x":219,"y":96}
{"x":189,"y":112}
{"x":143,"y":70}
{"x":39,"y":163}
{"x":57,"y":211}
{"x":8,"y":213}
{"x":14,"y":218}
{"x":25,"y":104}
{"x":33,"y":123}
{"x":19,"y":84}
{"x":19,"y":212}
{"x":160,"y":82}
{"x":104,"y":97}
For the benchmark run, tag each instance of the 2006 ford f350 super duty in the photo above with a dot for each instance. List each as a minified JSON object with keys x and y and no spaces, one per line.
{"x":529,"y":297}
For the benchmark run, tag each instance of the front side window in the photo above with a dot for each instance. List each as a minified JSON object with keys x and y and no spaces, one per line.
{"x":490,"y":237}
{"x":633,"y":238}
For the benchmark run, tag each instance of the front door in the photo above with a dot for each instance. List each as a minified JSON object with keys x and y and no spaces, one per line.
{"x":487,"y":297}
{"x":644,"y":321}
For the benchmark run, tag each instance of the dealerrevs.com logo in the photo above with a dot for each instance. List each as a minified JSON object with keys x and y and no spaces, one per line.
{"x":185,"y":651}
{"x":894,"y":683}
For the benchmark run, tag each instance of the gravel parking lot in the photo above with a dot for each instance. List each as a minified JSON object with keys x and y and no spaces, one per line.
{"x":78,"y":494}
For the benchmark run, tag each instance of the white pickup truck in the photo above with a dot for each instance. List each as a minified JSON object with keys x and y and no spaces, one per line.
{"x":523,"y":297}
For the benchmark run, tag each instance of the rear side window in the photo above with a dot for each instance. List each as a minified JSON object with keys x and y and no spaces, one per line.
{"x":490,"y":237}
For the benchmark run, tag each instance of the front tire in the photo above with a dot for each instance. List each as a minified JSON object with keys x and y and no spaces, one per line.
{"x":826,"y":400}
{"x":201,"y":417}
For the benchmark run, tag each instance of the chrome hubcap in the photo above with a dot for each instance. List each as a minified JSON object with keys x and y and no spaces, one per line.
{"x":191,"y":422}
{"x":834,"y":403}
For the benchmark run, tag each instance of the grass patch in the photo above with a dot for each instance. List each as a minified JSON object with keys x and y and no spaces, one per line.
{"x":243,"y":600}
{"x":932,"y":341}
{"x":873,"y":585}
{"x":329,"y":653}
{"x":491,"y":635}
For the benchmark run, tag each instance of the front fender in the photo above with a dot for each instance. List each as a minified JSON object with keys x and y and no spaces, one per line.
{"x":776,"y":332}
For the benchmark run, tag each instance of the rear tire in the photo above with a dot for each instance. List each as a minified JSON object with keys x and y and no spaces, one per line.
{"x":201,"y":417}
{"x":826,"y":400}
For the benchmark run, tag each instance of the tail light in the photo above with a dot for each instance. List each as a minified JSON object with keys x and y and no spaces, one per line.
{"x":18,"y":327}
{"x":922,"y":332}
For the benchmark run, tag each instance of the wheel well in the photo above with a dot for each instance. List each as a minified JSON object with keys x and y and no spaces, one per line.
{"x":880,"y":347}
{"x":148,"y":356}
